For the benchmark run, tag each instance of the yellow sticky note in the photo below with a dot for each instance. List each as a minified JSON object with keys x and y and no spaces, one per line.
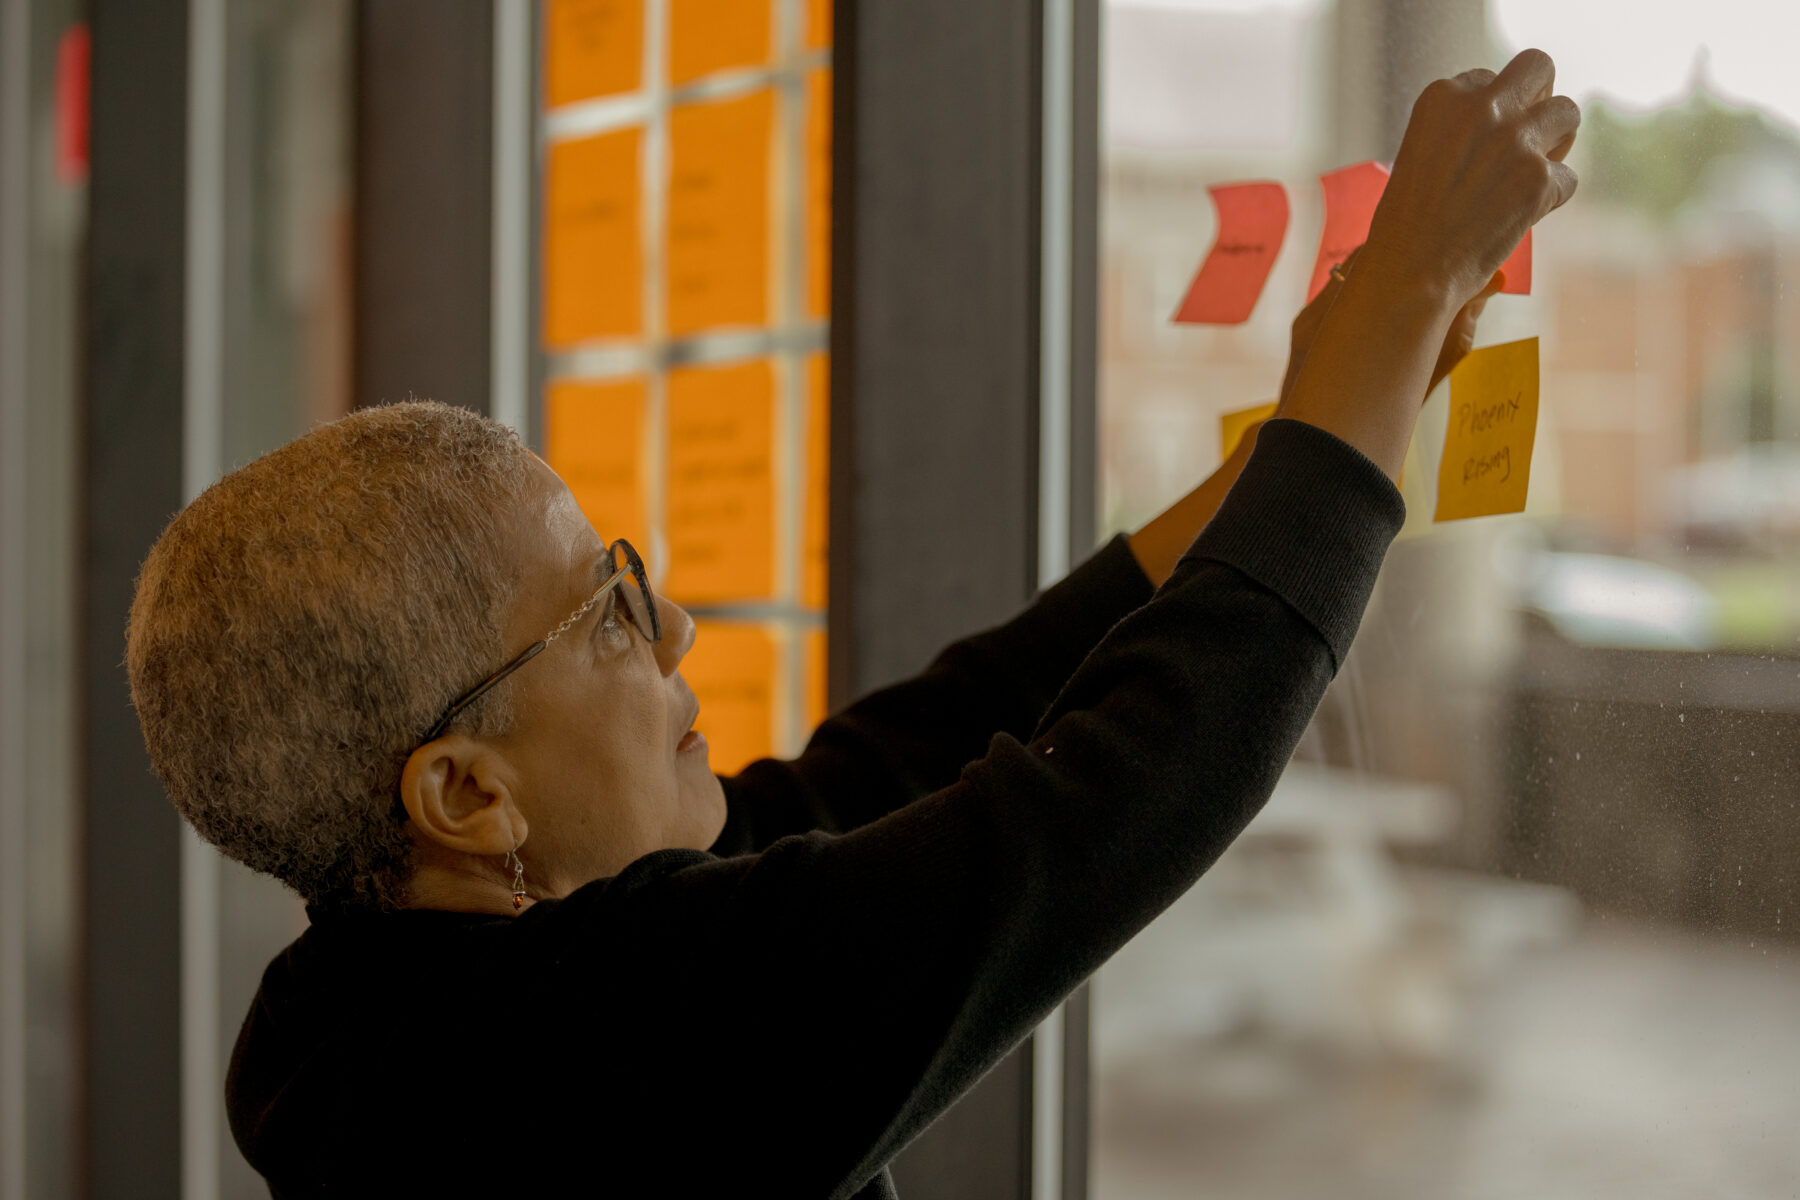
{"x":718,"y":229}
{"x":721,"y":483}
{"x":593,"y":273}
{"x":716,"y":35}
{"x":1233,"y":426}
{"x":594,"y":439}
{"x":592,"y":48}
{"x":818,"y":193}
{"x":816,"y":661}
{"x":816,"y":514}
{"x":732,"y":669}
{"x":1493,"y":423}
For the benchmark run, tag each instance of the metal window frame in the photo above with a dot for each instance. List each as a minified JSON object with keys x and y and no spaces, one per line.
{"x":964,"y":178}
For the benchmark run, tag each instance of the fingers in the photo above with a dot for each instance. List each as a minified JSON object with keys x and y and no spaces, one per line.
{"x":1476,"y":79}
{"x":1527,"y":79}
{"x":1563,"y":182}
{"x":1550,"y":127}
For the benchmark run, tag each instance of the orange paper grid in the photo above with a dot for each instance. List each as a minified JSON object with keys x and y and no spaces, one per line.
{"x":721,"y":485}
{"x":594,"y":439}
{"x":592,"y":48}
{"x":818,"y":194}
{"x":732,"y":671}
{"x":718,"y":229}
{"x":716,"y":35}
{"x":593,"y":260}
{"x":816,"y":516}
{"x":818,"y":24}
{"x":814,"y":648}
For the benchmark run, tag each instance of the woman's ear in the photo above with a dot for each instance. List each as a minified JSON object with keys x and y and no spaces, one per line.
{"x":458,"y":792}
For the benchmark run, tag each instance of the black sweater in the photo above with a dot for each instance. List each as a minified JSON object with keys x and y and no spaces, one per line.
{"x":882,"y":919}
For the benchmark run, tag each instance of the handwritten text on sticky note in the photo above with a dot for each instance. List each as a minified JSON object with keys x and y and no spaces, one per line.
{"x":721,"y":483}
{"x":1234,"y":427}
{"x":593,"y":244}
{"x":717,"y":234}
{"x":1253,"y":220}
{"x":1493,"y":425}
{"x":592,"y":48}
{"x":1351,"y":195}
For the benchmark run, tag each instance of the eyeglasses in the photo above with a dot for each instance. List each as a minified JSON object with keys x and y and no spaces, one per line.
{"x":627,"y":575}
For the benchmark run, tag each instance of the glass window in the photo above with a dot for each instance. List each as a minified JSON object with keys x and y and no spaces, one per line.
{"x":1519,"y":919}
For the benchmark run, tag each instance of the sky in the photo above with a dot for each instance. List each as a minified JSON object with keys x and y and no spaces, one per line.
{"x":1639,"y":52}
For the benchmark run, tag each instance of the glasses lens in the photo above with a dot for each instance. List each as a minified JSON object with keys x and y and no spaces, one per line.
{"x":634,"y":589}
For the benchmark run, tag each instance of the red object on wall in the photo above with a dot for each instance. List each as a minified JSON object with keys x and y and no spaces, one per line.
{"x":1351,"y":195}
{"x":1253,"y":220}
{"x":1518,"y":268}
{"x":72,"y":104}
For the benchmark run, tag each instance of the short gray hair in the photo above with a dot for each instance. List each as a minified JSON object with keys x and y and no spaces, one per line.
{"x":299,"y":626}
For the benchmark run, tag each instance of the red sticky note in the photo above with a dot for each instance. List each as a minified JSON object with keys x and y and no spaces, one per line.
{"x":1351,"y":195}
{"x":1518,"y":268}
{"x":1253,"y":219}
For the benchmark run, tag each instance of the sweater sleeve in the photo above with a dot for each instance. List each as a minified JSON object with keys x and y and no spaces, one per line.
{"x":910,"y":739}
{"x":813,"y":1007}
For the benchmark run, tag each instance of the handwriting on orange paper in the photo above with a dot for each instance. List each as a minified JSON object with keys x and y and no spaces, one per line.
{"x":593,"y":274}
{"x":717,"y":239}
{"x":721,"y":483}
{"x":1253,"y":220}
{"x":1486,"y":469}
{"x":1351,"y":196}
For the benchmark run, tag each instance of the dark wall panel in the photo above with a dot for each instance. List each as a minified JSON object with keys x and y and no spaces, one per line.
{"x":935,"y":321}
{"x":424,"y":200}
{"x":132,"y":463}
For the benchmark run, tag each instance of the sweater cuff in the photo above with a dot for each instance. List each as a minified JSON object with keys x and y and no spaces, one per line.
{"x":1310,"y":518}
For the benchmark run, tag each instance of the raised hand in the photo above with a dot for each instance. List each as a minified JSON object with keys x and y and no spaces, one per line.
{"x":1481,"y":162}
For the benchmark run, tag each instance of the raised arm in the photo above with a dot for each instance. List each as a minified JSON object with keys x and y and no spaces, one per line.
{"x":908,"y":740}
{"x":1481,"y":164}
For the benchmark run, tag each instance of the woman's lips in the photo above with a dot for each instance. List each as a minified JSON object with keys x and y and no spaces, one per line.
{"x":691,"y":741}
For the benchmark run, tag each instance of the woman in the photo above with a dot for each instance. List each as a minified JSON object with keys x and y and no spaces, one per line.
{"x":551,"y":953}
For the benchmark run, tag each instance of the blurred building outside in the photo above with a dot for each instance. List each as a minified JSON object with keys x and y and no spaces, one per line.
{"x":1587,"y":708}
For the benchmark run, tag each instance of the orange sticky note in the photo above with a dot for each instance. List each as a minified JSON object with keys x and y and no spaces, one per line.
{"x":1253,"y":220}
{"x":1234,"y":427}
{"x":594,"y":439}
{"x":718,"y":229}
{"x":716,"y":35}
{"x":592,"y":48}
{"x":816,"y":517}
{"x":721,"y":483}
{"x":818,"y":24}
{"x":1517,"y":268}
{"x":1493,"y":424}
{"x":817,"y":708}
{"x":1351,"y":195}
{"x":732,"y":670}
{"x":818,"y":193}
{"x":593,"y":260}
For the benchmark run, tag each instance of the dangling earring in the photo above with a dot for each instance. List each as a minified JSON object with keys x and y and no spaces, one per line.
{"x":518,"y":870}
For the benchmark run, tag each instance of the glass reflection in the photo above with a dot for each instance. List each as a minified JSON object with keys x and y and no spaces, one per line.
{"x":1519,"y":919}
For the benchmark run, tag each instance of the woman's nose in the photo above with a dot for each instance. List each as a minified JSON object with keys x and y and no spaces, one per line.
{"x":677,"y":634}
